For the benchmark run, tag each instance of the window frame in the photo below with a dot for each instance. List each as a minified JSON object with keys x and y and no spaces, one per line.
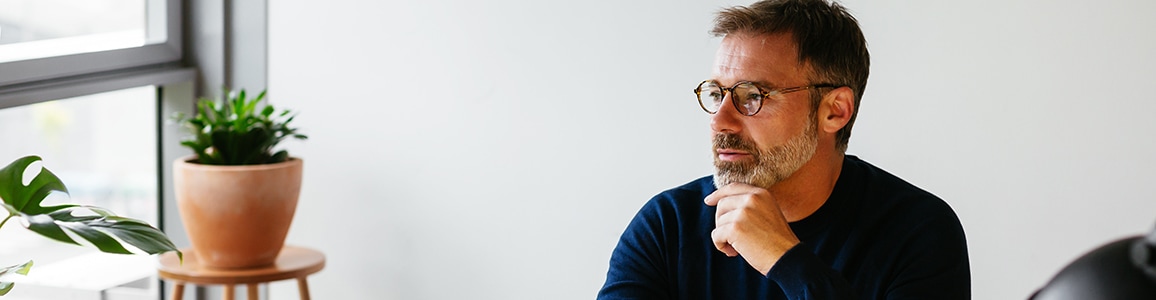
{"x":160,"y":64}
{"x":208,"y":45}
{"x":163,"y":21}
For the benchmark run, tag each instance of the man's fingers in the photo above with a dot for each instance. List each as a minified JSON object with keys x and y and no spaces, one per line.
{"x":730,"y":190}
{"x":728,"y":206}
{"x":712,"y":199}
{"x":720,"y":237}
{"x":728,"y":217}
{"x":724,"y":215}
{"x":729,"y":251}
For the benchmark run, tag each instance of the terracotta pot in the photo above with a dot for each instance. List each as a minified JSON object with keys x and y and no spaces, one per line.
{"x":237,"y":216}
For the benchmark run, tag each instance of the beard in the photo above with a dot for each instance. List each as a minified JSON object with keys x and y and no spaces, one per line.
{"x":767,"y":166}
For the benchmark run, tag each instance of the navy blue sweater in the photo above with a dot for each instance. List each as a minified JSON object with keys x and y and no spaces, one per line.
{"x":876,"y":237}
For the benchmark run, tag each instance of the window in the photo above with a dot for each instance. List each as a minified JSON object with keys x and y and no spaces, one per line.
{"x":51,"y":39}
{"x":44,"y":28}
{"x":86,"y":85}
{"x":103,"y":146}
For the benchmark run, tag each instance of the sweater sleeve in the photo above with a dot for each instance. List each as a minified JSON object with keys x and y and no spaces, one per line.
{"x":929,"y":263}
{"x":637,"y":267}
{"x":801,"y":275}
{"x":934,"y":263}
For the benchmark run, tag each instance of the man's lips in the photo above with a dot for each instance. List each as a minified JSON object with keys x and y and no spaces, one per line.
{"x":731,"y":154}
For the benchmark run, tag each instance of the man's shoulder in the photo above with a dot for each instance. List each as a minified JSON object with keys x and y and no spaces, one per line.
{"x":888,"y":191}
{"x":688,"y":195}
{"x":697,"y":188}
{"x":702,"y":185}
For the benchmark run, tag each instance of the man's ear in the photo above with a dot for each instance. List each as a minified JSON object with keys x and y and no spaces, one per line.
{"x":836,"y":109}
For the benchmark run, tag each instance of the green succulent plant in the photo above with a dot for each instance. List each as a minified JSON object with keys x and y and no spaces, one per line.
{"x":236,"y":132}
{"x":96,"y":225}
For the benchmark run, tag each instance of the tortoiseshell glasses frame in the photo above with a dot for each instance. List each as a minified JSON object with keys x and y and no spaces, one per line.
{"x":748,"y":99}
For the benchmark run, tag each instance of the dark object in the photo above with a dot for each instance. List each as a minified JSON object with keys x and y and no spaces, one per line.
{"x":1124,"y":269}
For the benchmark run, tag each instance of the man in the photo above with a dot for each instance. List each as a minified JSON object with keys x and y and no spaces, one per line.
{"x":787,"y":215}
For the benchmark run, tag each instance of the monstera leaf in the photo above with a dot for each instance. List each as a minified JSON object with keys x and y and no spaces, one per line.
{"x":18,"y":269}
{"x":96,"y":225}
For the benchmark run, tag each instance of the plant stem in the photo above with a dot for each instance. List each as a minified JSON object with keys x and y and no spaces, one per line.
{"x":5,"y":220}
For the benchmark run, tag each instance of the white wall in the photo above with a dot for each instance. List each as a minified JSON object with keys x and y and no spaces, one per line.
{"x":469,"y":150}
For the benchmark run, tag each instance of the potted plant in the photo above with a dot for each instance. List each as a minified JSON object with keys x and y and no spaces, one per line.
{"x":96,"y":225}
{"x":236,"y":195}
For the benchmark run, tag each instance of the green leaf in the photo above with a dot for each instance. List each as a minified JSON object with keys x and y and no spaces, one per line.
{"x":17,"y":269}
{"x":94,"y":226}
{"x":27,"y":198}
{"x":45,"y":225}
{"x":251,"y":105}
{"x":280,"y":156}
{"x":137,"y":233}
{"x":102,"y":241}
{"x":290,"y":119}
{"x":237,"y":130}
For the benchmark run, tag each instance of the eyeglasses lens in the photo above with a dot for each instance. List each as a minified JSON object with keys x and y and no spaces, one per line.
{"x":748,"y":97}
{"x":710,"y":96}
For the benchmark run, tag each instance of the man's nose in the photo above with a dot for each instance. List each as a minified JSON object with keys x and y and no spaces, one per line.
{"x":726,"y":119}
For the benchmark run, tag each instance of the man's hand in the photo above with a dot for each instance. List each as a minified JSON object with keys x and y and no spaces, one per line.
{"x":748,"y":222}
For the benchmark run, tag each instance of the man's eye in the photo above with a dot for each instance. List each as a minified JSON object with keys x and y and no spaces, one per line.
{"x":717,"y":96}
{"x":755,"y":97}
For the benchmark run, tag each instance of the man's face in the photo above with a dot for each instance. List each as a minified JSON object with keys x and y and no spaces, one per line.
{"x":770,"y":146}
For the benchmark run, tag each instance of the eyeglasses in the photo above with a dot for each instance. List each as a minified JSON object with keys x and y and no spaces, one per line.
{"x":746,"y":96}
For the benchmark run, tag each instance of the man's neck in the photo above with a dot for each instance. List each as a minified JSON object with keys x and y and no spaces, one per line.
{"x":807,"y":189}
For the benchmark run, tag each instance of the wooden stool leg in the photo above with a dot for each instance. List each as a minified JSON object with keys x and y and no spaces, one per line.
{"x":303,"y":288}
{"x":178,"y":290}
{"x":229,"y":293}
{"x":253,"y":291}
